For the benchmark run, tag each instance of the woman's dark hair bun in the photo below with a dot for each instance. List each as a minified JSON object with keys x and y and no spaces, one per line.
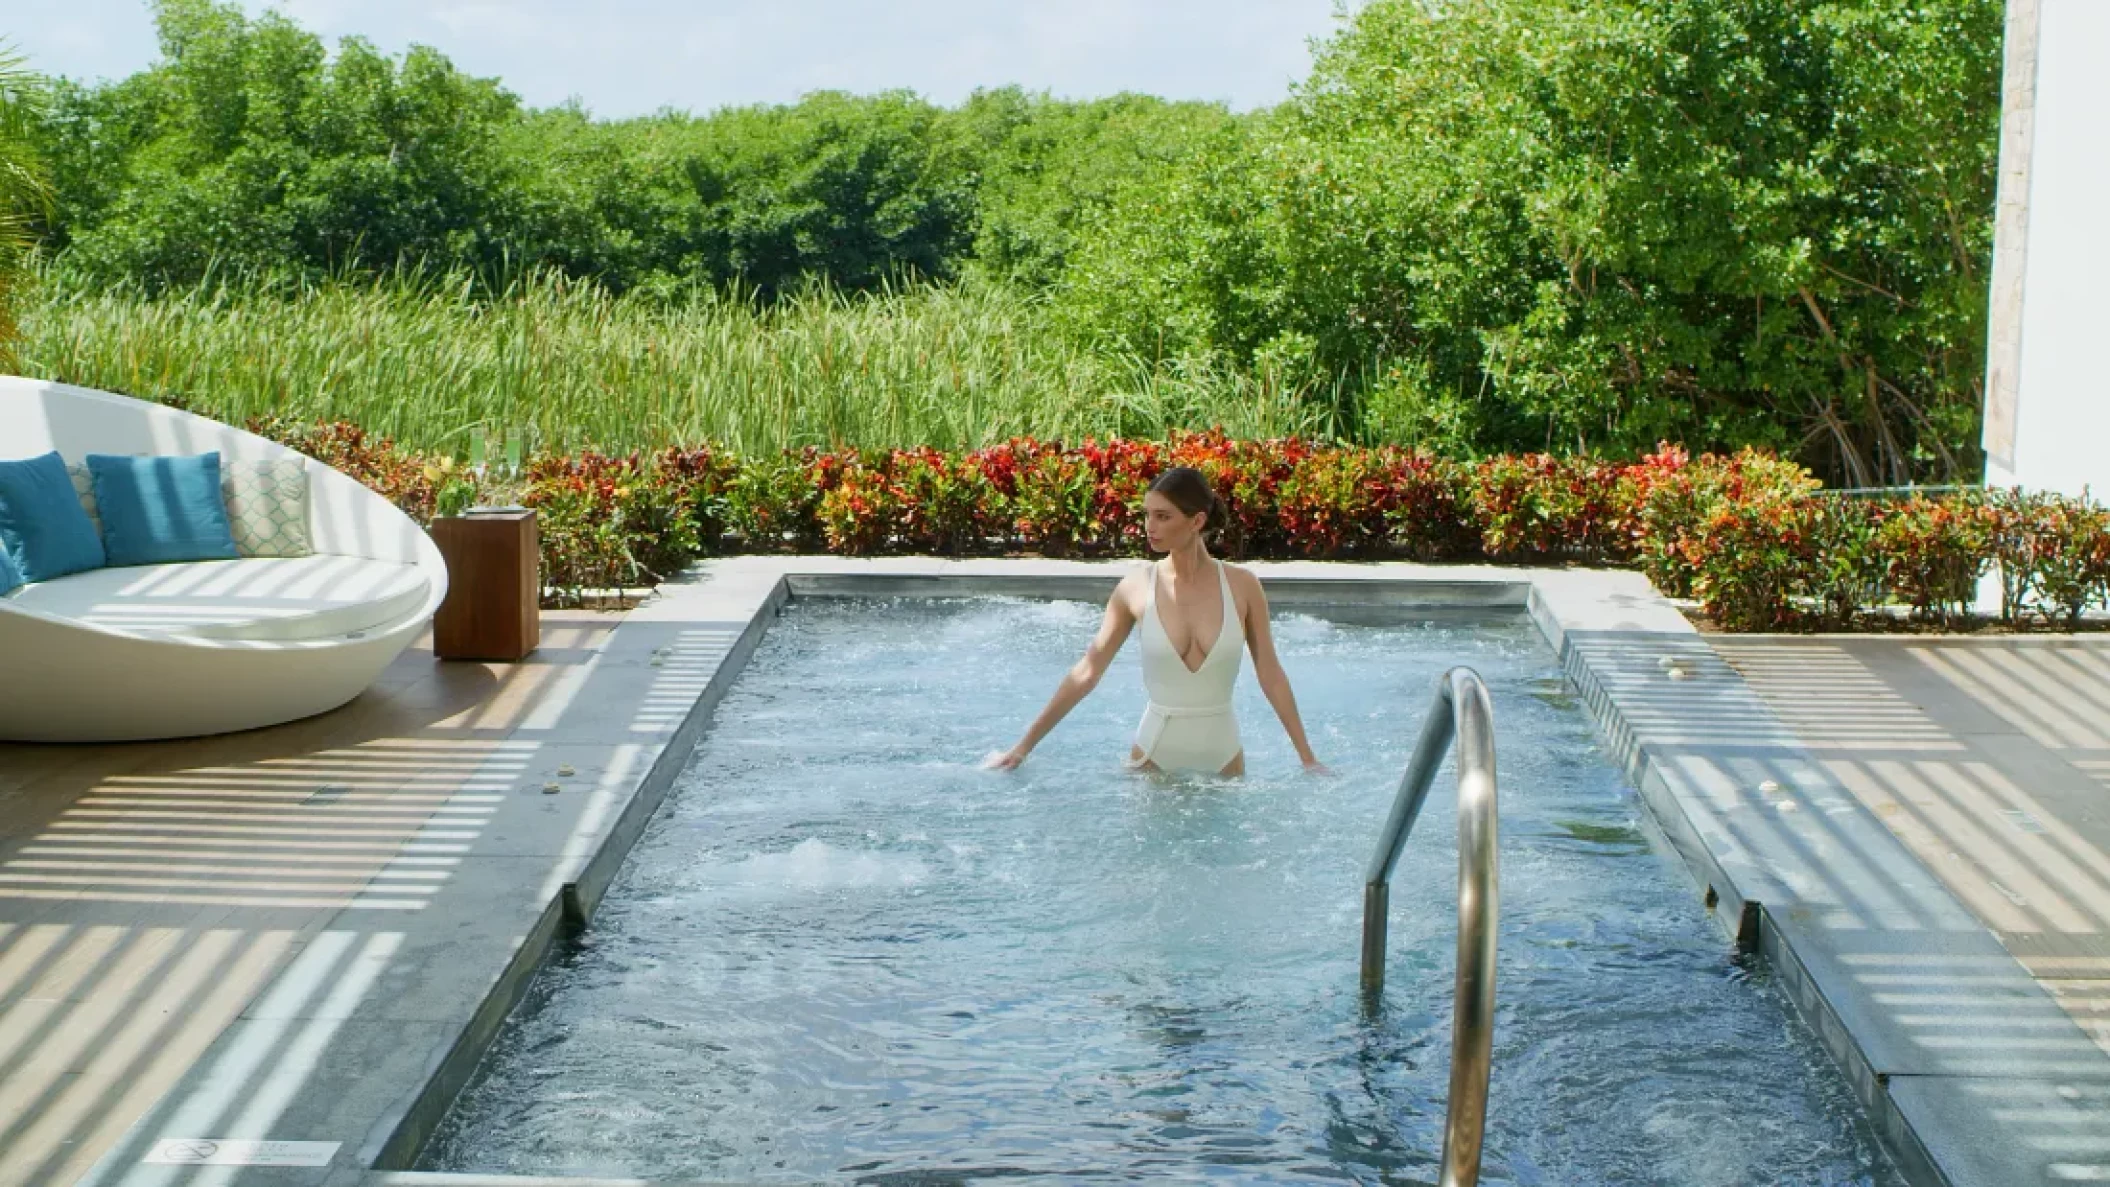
{"x":1189,"y":490}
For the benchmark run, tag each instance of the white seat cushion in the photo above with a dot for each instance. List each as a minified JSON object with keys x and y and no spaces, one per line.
{"x":309,"y":597}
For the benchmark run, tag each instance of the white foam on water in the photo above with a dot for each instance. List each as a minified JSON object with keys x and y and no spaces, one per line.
{"x":814,"y":864}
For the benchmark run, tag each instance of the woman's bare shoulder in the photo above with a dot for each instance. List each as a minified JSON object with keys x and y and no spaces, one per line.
{"x":1245,"y":584}
{"x":1130,"y":590}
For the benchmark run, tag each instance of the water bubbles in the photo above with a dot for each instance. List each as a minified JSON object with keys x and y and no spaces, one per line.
{"x":813,"y":864}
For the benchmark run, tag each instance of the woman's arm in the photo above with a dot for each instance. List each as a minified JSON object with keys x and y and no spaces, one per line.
{"x":1267,"y":668}
{"x":1082,"y":677}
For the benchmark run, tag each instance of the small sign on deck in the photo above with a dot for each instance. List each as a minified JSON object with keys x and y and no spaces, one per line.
{"x":240,"y":1152}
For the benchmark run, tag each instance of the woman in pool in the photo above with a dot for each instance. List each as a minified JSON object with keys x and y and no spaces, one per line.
{"x":1197,"y":614}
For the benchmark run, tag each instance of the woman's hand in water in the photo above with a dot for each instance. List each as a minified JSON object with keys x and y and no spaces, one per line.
{"x":1003,"y":760}
{"x":1312,"y":766}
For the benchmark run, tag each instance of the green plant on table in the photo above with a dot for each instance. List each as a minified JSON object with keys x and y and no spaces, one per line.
{"x":456,"y":495}
{"x":453,"y":488}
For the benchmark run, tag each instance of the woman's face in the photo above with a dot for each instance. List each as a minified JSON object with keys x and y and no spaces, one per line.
{"x":1168,"y":527}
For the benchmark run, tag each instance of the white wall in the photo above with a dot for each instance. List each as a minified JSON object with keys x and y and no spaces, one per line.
{"x":2049,"y":342}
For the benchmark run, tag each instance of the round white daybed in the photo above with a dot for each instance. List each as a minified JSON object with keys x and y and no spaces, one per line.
{"x":203,"y":647}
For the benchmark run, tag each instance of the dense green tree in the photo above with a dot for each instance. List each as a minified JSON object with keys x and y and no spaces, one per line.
{"x":1479,"y":224}
{"x":247,"y":147}
{"x":24,"y":189}
{"x":1596,"y":223}
{"x":250,"y":147}
{"x":851,"y":190}
{"x":1049,"y":167}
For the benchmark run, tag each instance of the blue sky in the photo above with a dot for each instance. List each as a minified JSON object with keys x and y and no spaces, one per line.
{"x":629,"y":57}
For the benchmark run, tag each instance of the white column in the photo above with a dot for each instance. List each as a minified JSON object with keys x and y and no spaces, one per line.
{"x":2047,"y":413}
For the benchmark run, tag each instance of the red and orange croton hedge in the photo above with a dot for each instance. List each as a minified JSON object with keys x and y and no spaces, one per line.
{"x":1749,"y":536}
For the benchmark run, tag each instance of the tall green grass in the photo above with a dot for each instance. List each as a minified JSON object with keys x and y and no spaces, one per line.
{"x":422,"y":359}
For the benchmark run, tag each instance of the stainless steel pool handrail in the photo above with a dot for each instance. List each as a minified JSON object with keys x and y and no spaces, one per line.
{"x":1462,"y":711}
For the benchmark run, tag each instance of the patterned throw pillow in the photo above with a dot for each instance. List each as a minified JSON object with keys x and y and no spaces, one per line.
{"x":84,"y":486}
{"x":267,"y":506}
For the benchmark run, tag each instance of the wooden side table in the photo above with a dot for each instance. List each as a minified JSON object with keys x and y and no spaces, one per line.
{"x":494,"y":586}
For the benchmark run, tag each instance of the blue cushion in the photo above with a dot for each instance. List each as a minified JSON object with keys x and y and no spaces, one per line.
{"x":159,"y":510}
{"x":10,"y":576}
{"x":42,"y":524}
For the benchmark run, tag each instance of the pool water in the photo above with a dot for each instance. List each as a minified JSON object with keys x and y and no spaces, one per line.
{"x":843,"y":952}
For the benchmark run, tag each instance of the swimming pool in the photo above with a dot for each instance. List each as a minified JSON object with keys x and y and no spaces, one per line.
{"x":843,"y":952}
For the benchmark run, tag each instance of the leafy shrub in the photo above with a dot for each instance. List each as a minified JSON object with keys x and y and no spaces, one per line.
{"x":1751,"y":562}
{"x":637,"y":518}
{"x":1371,"y":503}
{"x":1123,"y":471}
{"x":2070,"y":558}
{"x":1935,"y":551}
{"x":708,"y":475}
{"x":774,"y":500}
{"x":1846,"y":567}
{"x":1674,"y":494}
{"x":1537,"y":507}
{"x":582,"y":547}
{"x":858,"y":511}
{"x":1746,"y":535}
{"x":1334,"y":503}
{"x":1053,"y":494}
{"x":945,"y":502}
{"x":2052,"y":554}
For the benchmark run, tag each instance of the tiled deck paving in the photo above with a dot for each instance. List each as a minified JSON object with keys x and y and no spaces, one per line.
{"x":1990,"y":759}
{"x":151,"y":892}
{"x":1963,"y":1057}
{"x":285,"y":934}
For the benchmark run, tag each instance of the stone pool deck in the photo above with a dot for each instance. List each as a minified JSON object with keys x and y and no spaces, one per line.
{"x":307,"y":934}
{"x":287,"y":933}
{"x":1989,"y":759}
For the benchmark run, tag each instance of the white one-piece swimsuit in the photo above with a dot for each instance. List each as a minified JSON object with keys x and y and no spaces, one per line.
{"x":1188,"y":723}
